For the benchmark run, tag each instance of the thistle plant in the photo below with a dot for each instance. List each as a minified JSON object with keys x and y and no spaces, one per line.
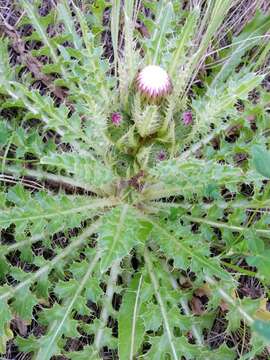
{"x":134,"y":195}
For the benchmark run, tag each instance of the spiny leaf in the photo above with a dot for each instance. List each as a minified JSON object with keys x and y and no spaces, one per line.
{"x":121,"y":230}
{"x":88,"y":353}
{"x":36,"y":21}
{"x":262,"y":328}
{"x":5,"y":331}
{"x":261,"y":160}
{"x":147,"y":120}
{"x":169,"y":242}
{"x":48,"y":346}
{"x":193,"y":176}
{"x":75,"y":243}
{"x":23,"y":303}
{"x":85,"y":168}
{"x":65,"y":15}
{"x":219,"y":101}
{"x":43,"y":211}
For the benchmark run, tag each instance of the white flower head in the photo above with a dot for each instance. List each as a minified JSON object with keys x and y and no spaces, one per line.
{"x":153,"y":82}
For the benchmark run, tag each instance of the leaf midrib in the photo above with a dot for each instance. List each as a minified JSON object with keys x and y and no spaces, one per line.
{"x":96,"y":204}
{"x":118,"y":232}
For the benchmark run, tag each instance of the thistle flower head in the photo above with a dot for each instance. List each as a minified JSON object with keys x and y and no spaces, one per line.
{"x":153,"y":82}
{"x":116,"y":118}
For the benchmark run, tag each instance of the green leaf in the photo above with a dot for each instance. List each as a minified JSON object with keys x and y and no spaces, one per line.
{"x":147,"y":120}
{"x":187,"y":31}
{"x":219,"y":102}
{"x":27,"y":345}
{"x":6,"y":72}
{"x":121,"y":229}
{"x":168,"y":329}
{"x":84,"y":168}
{"x":223,"y":352}
{"x":5,"y":331}
{"x":262,"y":328}
{"x":40,"y":26}
{"x":173,"y":246}
{"x":93,"y":290}
{"x":44,"y":211}
{"x":4,"y":132}
{"x":64,"y":324}
{"x":65,"y":15}
{"x":23,"y":303}
{"x":88,"y":353}
{"x":262,"y":263}
{"x":255,"y":244}
{"x":177,"y":177}
{"x":158,"y":40}
{"x":160,"y":348}
{"x":261,"y":160}
{"x":130,"y":324}
{"x":234,"y":316}
{"x":18,"y":195}
{"x":4,"y":266}
{"x":66,"y":289}
{"x":152,"y":317}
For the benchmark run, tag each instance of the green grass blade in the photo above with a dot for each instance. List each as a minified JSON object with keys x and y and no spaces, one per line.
{"x":186,"y":34}
{"x":115,"y":29}
{"x":163,"y":24}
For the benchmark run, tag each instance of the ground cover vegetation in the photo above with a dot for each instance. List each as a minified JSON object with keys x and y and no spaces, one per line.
{"x":135,"y":167}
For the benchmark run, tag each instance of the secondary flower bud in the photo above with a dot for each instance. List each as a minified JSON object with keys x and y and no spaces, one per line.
{"x":161,"y":155}
{"x":187,"y":118}
{"x":153,"y":82}
{"x":251,"y":118}
{"x":116,"y":118}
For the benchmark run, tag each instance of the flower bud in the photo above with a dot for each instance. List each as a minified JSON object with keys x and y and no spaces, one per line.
{"x":161,"y":155}
{"x":153,"y":82}
{"x":187,"y":118}
{"x":116,"y":118}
